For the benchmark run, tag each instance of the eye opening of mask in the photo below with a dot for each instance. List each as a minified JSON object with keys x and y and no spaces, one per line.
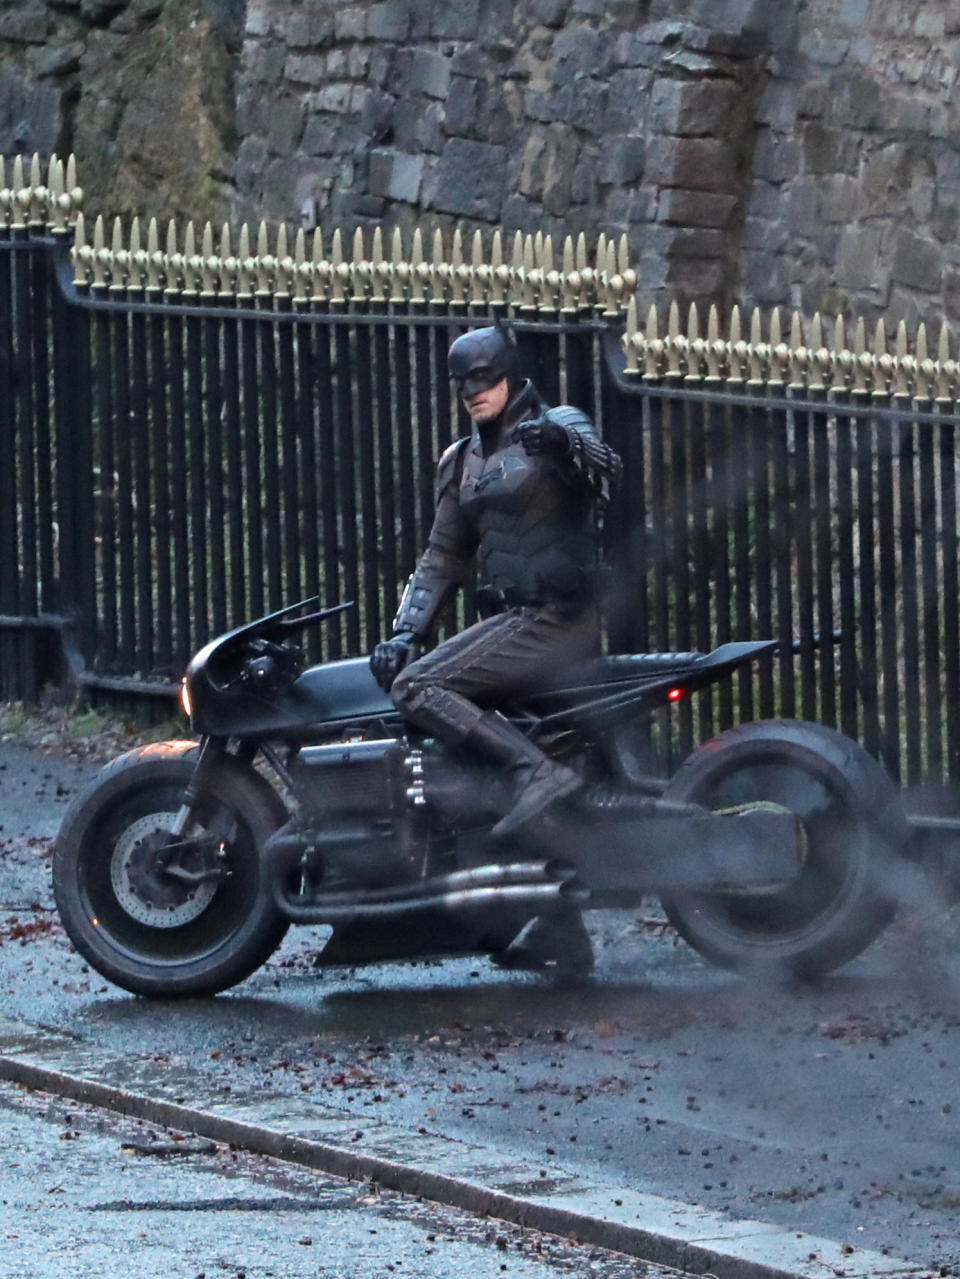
{"x":477,"y":380}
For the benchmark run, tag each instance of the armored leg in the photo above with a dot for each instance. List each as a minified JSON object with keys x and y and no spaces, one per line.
{"x":444,"y":692}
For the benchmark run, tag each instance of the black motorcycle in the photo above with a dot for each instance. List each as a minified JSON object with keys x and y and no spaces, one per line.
{"x":308,"y":800}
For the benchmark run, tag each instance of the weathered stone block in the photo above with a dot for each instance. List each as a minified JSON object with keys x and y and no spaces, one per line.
{"x":698,"y":164}
{"x":696,"y":242}
{"x":623,"y":160}
{"x":429,"y":73}
{"x":695,"y":208}
{"x":763,"y":278}
{"x":627,"y":101}
{"x":258,"y":18}
{"x":389,"y":20}
{"x":350,"y":24}
{"x":469,"y":61}
{"x":284,"y":125}
{"x":802,"y":206}
{"x":551,"y":13}
{"x":839,"y":197}
{"x":462,"y":106}
{"x":501,"y":109}
{"x":583,"y":183}
{"x":251,"y":162}
{"x":951,"y":294}
{"x":460,"y":21}
{"x":333,"y":97}
{"x":100,"y":11}
{"x":321,"y":136}
{"x":306,"y":68}
{"x":776,"y":157}
{"x":694,"y":108}
{"x":581,"y":104}
{"x":917,"y":262}
{"x":828,"y":150}
{"x":50,"y":61}
{"x":691,"y":279}
{"x":309,"y":29}
{"x":28,"y":25}
{"x":930,"y":24}
{"x":32,"y":113}
{"x":632,"y":50}
{"x":263,"y":64}
{"x":626,"y":206}
{"x":470,"y":180}
{"x":395,"y":175}
{"x":539,"y":105}
{"x":769,"y":234}
{"x":581,"y":51}
{"x":823,"y":50}
{"x":853,"y":13}
{"x":858,"y":257}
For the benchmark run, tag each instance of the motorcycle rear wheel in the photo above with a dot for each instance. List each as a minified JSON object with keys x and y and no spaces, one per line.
{"x":143,"y":930}
{"x":853,"y":827}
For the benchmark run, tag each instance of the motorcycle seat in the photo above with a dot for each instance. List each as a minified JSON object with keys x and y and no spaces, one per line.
{"x":621,"y":668}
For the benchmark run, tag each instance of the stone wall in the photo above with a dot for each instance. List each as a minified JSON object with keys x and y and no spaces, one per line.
{"x":801,"y":153}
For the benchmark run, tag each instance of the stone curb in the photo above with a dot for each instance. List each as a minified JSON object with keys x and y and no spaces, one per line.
{"x":298,"y":1129}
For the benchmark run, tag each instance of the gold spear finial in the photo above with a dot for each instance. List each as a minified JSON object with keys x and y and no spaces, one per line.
{"x":861,"y":358}
{"x":229,"y":266}
{"x":339,"y":270}
{"x":154,"y":261}
{"x":419,"y":270}
{"x":480,"y":274}
{"x":694,"y":344}
{"x":399,"y":269}
{"x":286,"y":266}
{"x":173,"y":262}
{"x":945,"y":370}
{"x":629,"y":342}
{"x":716,"y":349}
{"x":902,"y":363}
{"x":925,"y":367}
{"x":246,"y":265}
{"x":208,"y":264}
{"x":81,"y":253}
{"x":653,"y":347}
{"x":320,"y":269}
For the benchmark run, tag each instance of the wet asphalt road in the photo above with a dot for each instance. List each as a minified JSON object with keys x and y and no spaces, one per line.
{"x":831,"y":1109}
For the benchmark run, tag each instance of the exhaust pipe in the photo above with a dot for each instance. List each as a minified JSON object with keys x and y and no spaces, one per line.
{"x":509,"y":897}
{"x":514,"y":885}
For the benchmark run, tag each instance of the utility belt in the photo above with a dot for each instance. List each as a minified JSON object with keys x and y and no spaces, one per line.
{"x":494,"y":599}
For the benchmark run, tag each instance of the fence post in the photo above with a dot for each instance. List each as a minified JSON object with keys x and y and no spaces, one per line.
{"x":74,"y":447}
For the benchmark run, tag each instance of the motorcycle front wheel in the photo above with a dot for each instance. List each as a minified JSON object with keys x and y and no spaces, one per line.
{"x":193,"y":929}
{"x":852,"y":829}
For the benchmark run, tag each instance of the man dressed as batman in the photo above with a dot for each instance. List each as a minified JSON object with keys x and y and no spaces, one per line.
{"x":520,"y":495}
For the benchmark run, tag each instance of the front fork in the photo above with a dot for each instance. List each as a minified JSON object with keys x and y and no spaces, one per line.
{"x":212,"y":751}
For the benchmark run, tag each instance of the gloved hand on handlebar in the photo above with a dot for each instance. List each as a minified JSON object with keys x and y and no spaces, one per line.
{"x":540,"y":435}
{"x":390,"y":657}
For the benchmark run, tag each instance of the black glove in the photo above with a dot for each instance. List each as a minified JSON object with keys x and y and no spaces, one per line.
{"x":390,"y":657}
{"x":540,"y":435}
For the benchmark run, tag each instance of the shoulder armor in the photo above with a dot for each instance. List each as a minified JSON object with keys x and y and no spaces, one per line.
{"x":450,"y":465}
{"x":567,"y":416}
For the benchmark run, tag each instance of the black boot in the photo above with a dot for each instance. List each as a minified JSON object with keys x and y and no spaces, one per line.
{"x":557,"y":942}
{"x":541,"y":781}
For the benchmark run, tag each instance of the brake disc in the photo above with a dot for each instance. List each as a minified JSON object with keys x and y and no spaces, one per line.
{"x":140,"y":885}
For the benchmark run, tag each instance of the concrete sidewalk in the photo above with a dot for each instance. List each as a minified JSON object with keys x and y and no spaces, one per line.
{"x":306,"y":1132}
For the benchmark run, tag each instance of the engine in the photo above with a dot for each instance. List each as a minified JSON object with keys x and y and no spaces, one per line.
{"x":378,"y":783}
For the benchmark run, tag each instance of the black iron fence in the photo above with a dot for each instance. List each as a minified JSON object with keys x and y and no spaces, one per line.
{"x":191,"y":438}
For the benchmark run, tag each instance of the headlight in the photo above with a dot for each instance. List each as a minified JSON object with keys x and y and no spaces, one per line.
{"x":185,"y":700}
